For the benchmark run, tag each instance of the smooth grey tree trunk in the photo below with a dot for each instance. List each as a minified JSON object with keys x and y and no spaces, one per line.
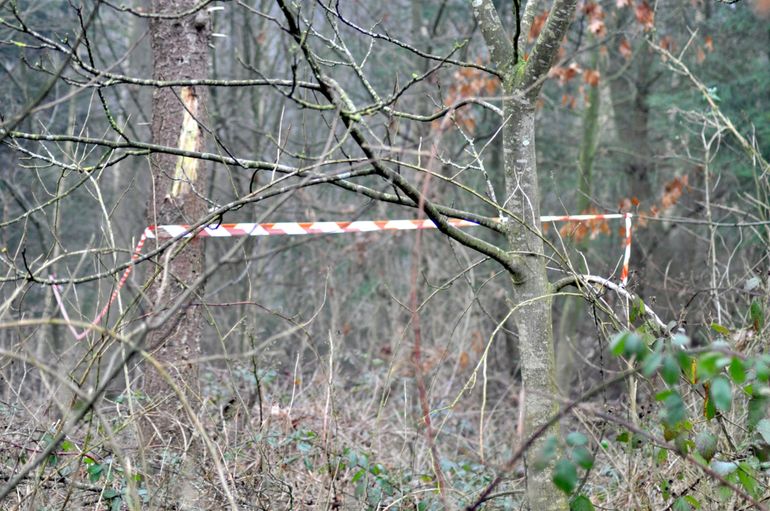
{"x":530,"y":297}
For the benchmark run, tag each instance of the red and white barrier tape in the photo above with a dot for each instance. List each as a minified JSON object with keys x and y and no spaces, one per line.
{"x":300,"y":228}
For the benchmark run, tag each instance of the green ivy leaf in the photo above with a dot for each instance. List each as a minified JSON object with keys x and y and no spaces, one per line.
{"x":358,"y":475}
{"x":377,"y":469}
{"x":683,"y":444}
{"x":546,"y":454}
{"x":576,"y":438}
{"x":763,"y":428}
{"x":95,"y":472}
{"x":681,"y":504}
{"x":711,"y":410}
{"x":708,"y":365}
{"x":720,"y":329}
{"x":628,"y":344}
{"x":680,"y":341}
{"x":737,"y":371}
{"x":583,"y":457}
{"x":674,"y":410}
{"x":722,"y":393}
{"x":706,"y":444}
{"x":756,"y":412}
{"x":693,"y":501}
{"x":762,"y":370}
{"x":581,"y":503}
{"x":670,"y":371}
{"x":652,"y":363}
{"x":565,"y":475}
{"x":618,"y":343}
{"x":757,"y":315}
{"x":748,"y":478}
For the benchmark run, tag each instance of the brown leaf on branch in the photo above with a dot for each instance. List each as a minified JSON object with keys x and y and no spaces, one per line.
{"x":595,"y":18}
{"x":645,"y":15}
{"x":596,"y":27}
{"x":467,"y":82}
{"x":625,"y":49}
{"x":565,"y":74}
{"x":586,"y":228}
{"x":700,"y":55}
{"x":590,"y":8}
{"x":625,"y":205}
{"x":667,"y":43}
{"x":537,"y":25}
{"x":709,"y":43}
{"x":591,"y":77}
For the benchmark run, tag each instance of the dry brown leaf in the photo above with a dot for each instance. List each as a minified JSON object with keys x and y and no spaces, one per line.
{"x":591,"y":77}
{"x":596,"y":27}
{"x":667,"y":43}
{"x":537,"y":25}
{"x":700,"y":55}
{"x":625,"y":49}
{"x":464,"y":360}
{"x":645,"y":15}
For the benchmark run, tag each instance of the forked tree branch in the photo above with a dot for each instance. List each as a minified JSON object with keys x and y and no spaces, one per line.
{"x":547,"y":46}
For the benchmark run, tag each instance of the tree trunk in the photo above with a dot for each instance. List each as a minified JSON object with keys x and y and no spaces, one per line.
{"x":629,"y":91}
{"x":180,"y":51}
{"x":531,"y":298}
{"x":589,"y":141}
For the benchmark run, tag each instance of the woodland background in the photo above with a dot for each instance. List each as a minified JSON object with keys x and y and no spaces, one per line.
{"x":313,"y":366}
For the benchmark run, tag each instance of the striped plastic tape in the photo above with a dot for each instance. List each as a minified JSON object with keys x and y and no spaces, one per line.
{"x":303,"y":228}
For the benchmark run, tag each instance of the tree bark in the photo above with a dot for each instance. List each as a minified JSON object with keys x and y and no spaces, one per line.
{"x":522,"y":81}
{"x":531,"y":291}
{"x":629,"y":93}
{"x":180,"y":51}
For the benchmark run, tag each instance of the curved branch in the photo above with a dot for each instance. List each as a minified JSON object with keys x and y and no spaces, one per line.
{"x":547,"y":45}
{"x":587,"y":281}
{"x":500,"y":48}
